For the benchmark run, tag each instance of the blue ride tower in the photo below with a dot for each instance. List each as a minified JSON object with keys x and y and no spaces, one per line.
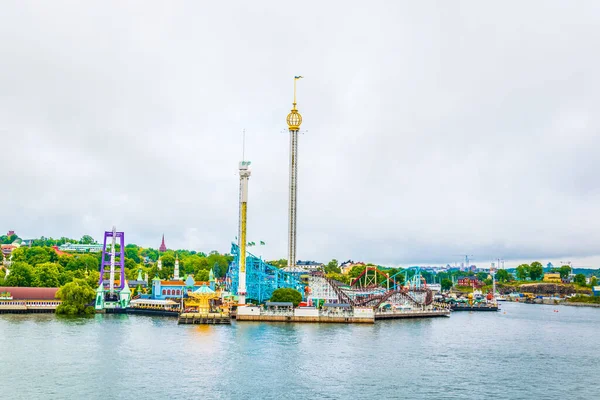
{"x":261,"y":278}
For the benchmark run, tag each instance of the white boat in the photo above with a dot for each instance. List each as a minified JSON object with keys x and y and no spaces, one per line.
{"x":500,"y":297}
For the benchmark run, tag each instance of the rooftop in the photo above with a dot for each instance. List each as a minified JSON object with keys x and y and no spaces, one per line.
{"x":30,"y":293}
{"x":341,"y":305}
{"x":279,"y":304}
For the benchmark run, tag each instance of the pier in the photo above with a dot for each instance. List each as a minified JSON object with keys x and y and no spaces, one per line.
{"x":209,"y":319}
{"x":28,"y":306}
{"x":411,"y":314}
{"x":284,"y":312}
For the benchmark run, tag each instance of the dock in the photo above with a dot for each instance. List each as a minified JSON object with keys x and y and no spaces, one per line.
{"x":28,"y":306}
{"x":141,"y":311}
{"x":204,"y":319}
{"x":314,"y":319}
{"x":486,"y":307}
{"x":379,"y":315}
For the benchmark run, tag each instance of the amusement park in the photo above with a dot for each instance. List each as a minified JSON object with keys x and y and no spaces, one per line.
{"x":246,"y":292}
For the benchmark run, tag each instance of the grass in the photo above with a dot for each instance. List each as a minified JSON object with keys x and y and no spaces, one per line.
{"x":584,"y":299}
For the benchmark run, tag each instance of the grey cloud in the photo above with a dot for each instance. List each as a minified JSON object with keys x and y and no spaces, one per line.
{"x":433,"y":129}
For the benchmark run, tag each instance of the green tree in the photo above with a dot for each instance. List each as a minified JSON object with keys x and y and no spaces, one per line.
{"x":132,"y":254}
{"x":482,"y":276}
{"x":332,"y":266}
{"x":281,"y":263}
{"x":76,"y":297}
{"x":579,"y":279}
{"x":536,"y":271}
{"x":338,"y":277}
{"x":446,"y":284}
{"x":87,"y":239}
{"x":522,"y":272}
{"x":593,"y":281}
{"x":564,"y":271}
{"x":40,"y":255}
{"x":195,"y":263}
{"x":130,"y":264}
{"x":46,"y":275}
{"x":83,"y":262}
{"x":168,"y":260}
{"x":65,"y":276}
{"x":201,"y":275}
{"x":287,"y":295}
{"x":503,"y":276}
{"x":21,"y":274}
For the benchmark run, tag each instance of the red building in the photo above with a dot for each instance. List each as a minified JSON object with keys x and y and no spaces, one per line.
{"x":30,"y":293}
{"x":469,"y":281}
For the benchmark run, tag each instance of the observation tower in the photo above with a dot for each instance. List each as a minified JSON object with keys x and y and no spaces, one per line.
{"x":294,"y":120}
{"x":244,"y":176}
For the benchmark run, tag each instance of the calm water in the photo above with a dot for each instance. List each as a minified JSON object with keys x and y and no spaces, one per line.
{"x":526,"y":352}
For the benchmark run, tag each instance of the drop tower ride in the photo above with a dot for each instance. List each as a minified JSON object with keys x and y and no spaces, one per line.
{"x":244,"y":177}
{"x":294,"y":120}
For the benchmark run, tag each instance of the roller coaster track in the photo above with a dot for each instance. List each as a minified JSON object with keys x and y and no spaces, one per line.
{"x":344,"y":298}
{"x":376,"y":299}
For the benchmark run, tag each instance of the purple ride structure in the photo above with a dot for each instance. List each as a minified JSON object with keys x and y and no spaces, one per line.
{"x":109,"y":262}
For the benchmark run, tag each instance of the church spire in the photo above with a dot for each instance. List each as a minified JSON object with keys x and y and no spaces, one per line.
{"x":162,"y":247}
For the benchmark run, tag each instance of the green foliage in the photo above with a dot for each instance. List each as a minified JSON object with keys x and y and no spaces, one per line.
{"x":338,"y":277}
{"x":82,"y":262}
{"x":131,"y":253}
{"x":75,"y":296}
{"x":201,"y":275}
{"x":522,"y":272}
{"x":220,"y":262}
{"x":482,"y":276}
{"x":21,"y":274}
{"x":584,"y":299}
{"x":564,"y":271}
{"x":503,"y":276}
{"x":536,"y":271}
{"x":579,"y":279}
{"x":34,"y":255}
{"x":4,"y":239}
{"x":168,"y":260}
{"x":195,"y":263}
{"x":281,"y":263}
{"x":593,"y":281}
{"x":446,"y":284}
{"x":332,"y":266}
{"x":46,"y":275}
{"x":287,"y":295}
{"x":87,"y":239}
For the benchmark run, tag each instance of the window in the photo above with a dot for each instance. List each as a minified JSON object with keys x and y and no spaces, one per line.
{"x":164,"y":292}
{"x":169,"y":292}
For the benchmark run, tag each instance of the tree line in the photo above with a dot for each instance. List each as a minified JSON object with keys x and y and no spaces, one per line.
{"x":40,"y":266}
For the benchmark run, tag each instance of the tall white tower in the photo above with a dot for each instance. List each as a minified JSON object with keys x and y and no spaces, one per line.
{"x":112,"y":261}
{"x":176,"y":271}
{"x":244,"y":176}
{"x":294,"y":120}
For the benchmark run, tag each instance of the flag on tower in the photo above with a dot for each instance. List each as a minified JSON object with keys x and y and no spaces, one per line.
{"x":298,"y":77}
{"x":262,"y":243}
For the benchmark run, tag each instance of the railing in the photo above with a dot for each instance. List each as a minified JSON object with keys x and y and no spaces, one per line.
{"x":340,"y":293}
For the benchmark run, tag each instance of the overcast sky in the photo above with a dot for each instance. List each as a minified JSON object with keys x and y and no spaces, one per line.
{"x":433,"y":129}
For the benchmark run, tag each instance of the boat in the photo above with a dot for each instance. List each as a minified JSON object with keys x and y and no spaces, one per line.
{"x":500,"y":297}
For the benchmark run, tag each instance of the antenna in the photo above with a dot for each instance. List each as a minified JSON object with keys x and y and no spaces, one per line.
{"x":244,"y":145}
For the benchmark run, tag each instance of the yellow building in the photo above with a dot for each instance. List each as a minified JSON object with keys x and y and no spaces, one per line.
{"x":552,"y":277}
